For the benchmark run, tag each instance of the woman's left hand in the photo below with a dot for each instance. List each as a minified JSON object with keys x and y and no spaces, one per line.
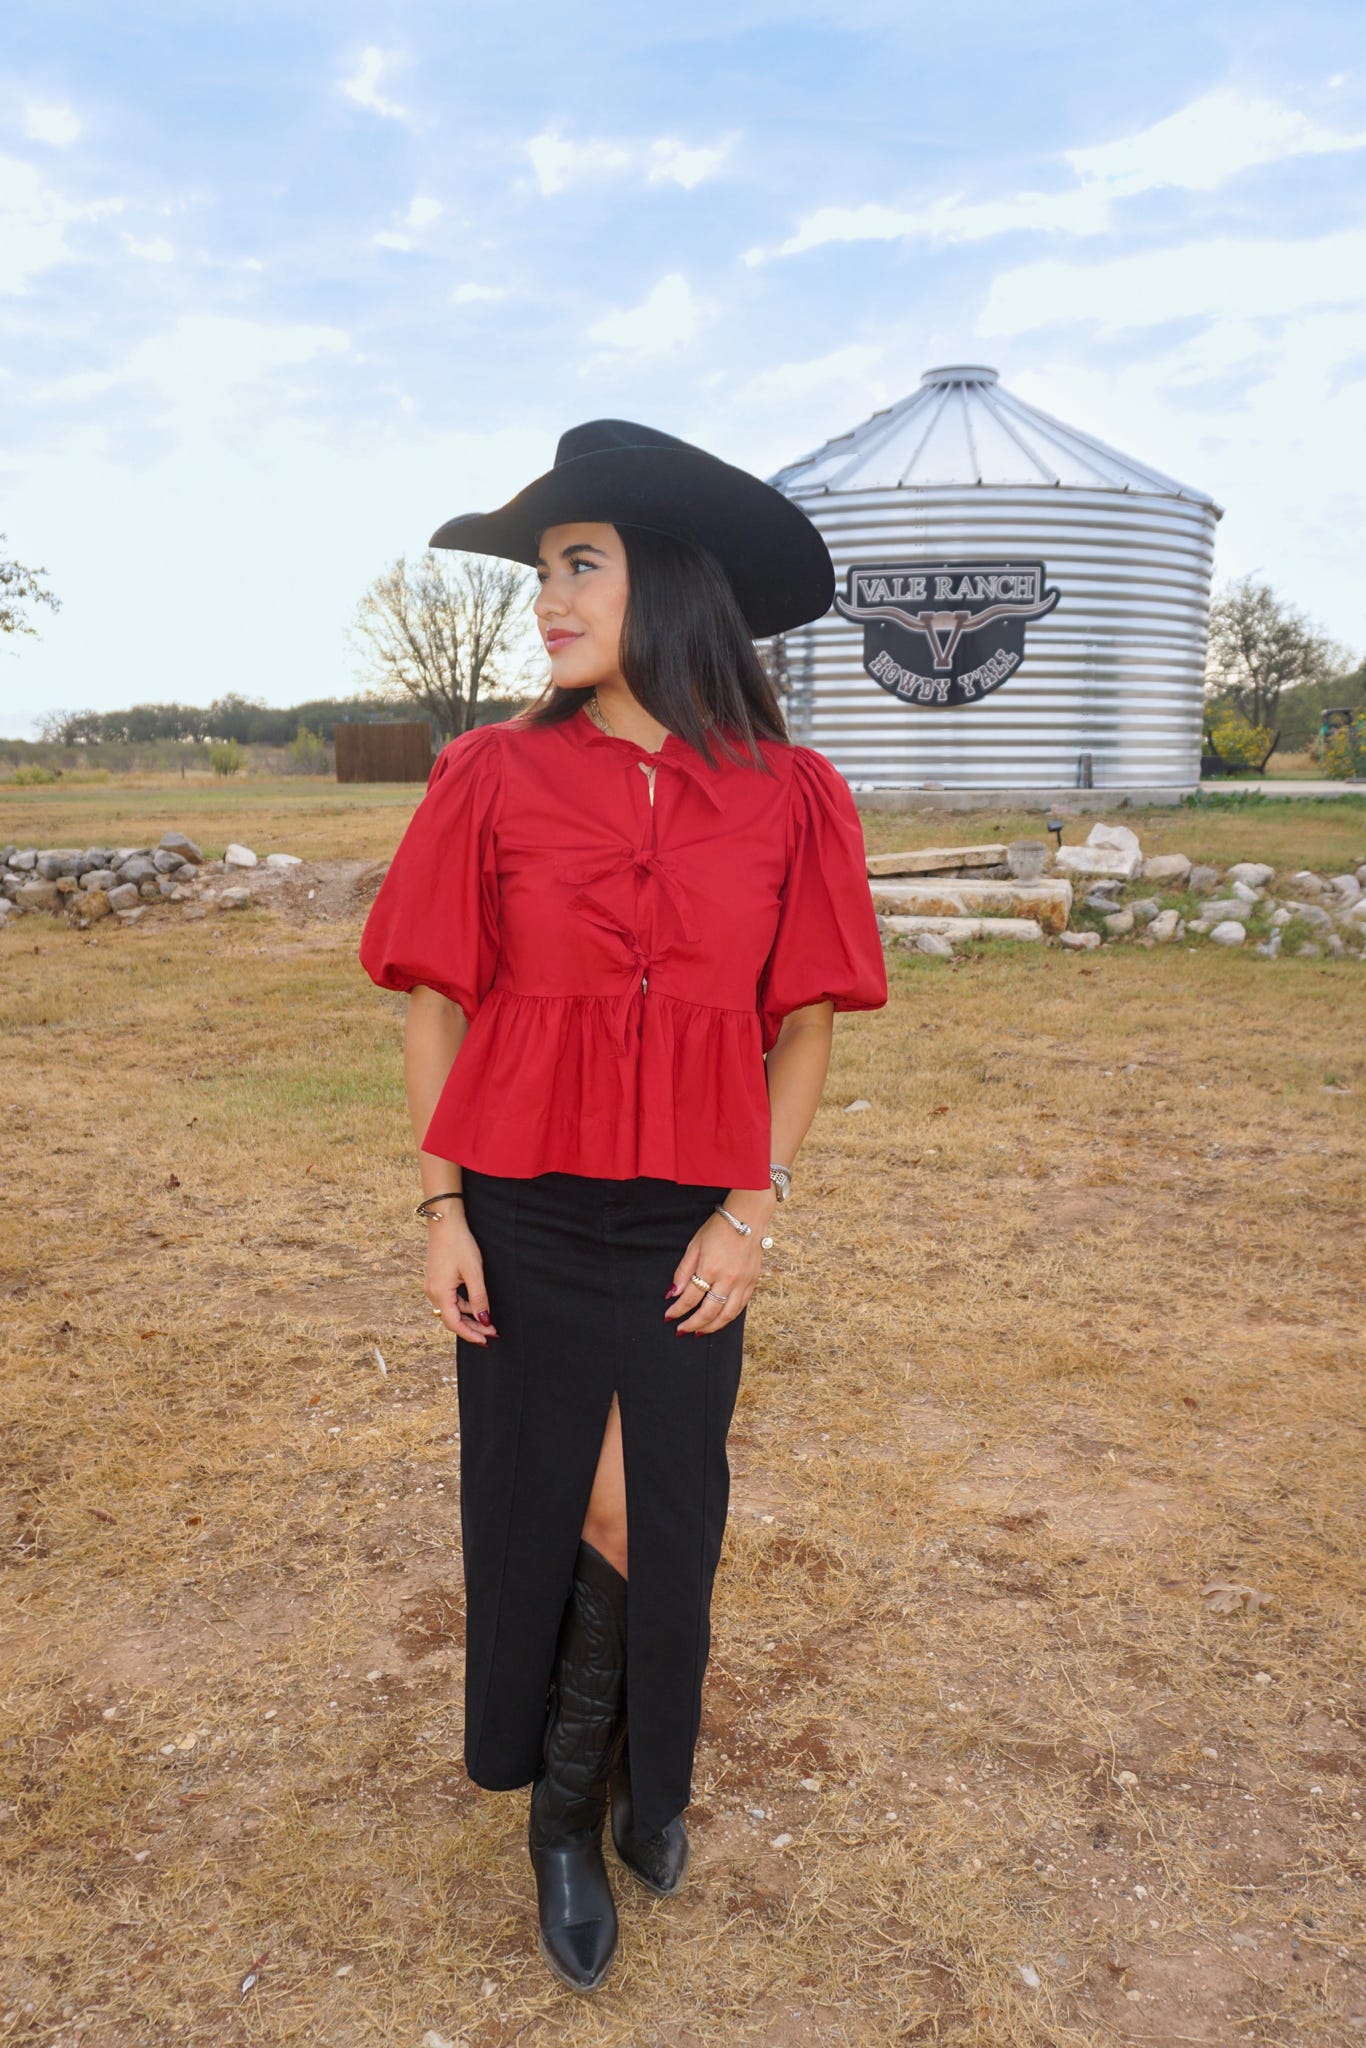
{"x":728,"y":1262}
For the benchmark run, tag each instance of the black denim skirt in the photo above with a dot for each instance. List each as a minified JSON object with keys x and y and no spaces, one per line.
{"x":576,"y":1271}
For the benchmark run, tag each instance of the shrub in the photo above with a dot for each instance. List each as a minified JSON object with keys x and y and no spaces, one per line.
{"x":1238,"y":744}
{"x":226,"y":757}
{"x":1344,"y":751}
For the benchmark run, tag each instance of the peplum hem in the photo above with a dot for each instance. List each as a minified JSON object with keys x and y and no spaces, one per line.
{"x":592,"y":1084}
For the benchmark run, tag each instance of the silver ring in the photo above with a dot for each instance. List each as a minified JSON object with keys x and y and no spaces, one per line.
{"x":719,"y":1295}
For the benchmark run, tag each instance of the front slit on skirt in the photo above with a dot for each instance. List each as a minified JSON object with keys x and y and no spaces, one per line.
{"x":576,"y":1270}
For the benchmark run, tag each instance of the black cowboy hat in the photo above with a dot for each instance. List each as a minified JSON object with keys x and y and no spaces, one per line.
{"x":614,"y":470}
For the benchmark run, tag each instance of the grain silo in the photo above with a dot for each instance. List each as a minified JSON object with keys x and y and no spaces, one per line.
{"x":1019,"y":606}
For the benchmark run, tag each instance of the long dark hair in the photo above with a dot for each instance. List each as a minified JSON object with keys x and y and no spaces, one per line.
{"x":686,"y":652}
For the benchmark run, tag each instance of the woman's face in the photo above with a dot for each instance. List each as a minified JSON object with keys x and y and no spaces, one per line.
{"x":581,"y":569}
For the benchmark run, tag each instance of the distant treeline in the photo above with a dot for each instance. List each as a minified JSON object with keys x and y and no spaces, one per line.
{"x":233,"y":718}
{"x":1300,"y":710}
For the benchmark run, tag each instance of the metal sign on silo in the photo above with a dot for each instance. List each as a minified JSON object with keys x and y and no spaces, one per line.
{"x":1019,"y":606}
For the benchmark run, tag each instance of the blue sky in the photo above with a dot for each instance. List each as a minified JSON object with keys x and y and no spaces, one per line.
{"x":282,"y":287}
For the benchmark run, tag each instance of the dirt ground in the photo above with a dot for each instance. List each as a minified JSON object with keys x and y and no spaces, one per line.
{"x":1061,"y":1336}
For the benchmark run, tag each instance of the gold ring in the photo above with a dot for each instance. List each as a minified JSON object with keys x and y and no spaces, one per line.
{"x":700,"y":1282}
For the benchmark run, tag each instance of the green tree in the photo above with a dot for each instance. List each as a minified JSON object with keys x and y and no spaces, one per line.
{"x":1258,"y":646}
{"x":19,"y":587}
{"x":447,"y":631}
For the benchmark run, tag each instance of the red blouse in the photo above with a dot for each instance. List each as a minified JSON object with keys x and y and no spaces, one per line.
{"x":624,"y":964}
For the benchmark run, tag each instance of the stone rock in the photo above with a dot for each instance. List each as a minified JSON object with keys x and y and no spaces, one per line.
{"x":1224,"y":907}
{"x":236,"y":856}
{"x":165,"y":862}
{"x":1281,"y":916}
{"x":1047,"y":902}
{"x":150,"y":888}
{"x":123,"y":896}
{"x":934,"y":945}
{"x":1254,"y":872}
{"x":1200,"y":881}
{"x":294,"y":860}
{"x":1080,"y":942}
{"x":964,"y":927}
{"x":1335,"y":945}
{"x":1120,"y":922}
{"x":95,"y":904}
{"x":1309,"y":951}
{"x":1305,"y":882}
{"x":1096,"y":861}
{"x":40,"y":896}
{"x":66,"y":885}
{"x":176,"y":842}
{"x":1357,"y":913}
{"x":1346,"y":888}
{"x":1312,"y":913}
{"x":1167,"y":867}
{"x":58,"y":860}
{"x":234,"y":899}
{"x":1145,"y":909}
{"x":1361,"y":874}
{"x":1166,"y":926}
{"x":1119,"y":837}
{"x":131,"y":916}
{"x":25,"y":862}
{"x":1246,"y":893}
{"x":1228,"y":932}
{"x":191,"y":912}
{"x":98,"y":878}
{"x":1270,"y":948}
{"x":1026,"y":859}
{"x":137,"y":868}
{"x":1105,"y":904}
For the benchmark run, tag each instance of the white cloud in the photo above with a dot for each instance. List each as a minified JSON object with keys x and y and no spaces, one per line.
{"x":363,"y":86}
{"x":1223,"y":278}
{"x":52,"y":124}
{"x":850,"y":372}
{"x":423,"y":212}
{"x":555,"y":160}
{"x":207,"y":370}
{"x":1197,"y":149}
{"x":683,"y":166}
{"x":558,"y":162}
{"x":1205,"y":144}
{"x":33,"y":223}
{"x":661,"y":323}
{"x":471,"y":294}
{"x":157,"y":250}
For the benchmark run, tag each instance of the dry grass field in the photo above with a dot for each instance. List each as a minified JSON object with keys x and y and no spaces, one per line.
{"x":1061,"y":1332}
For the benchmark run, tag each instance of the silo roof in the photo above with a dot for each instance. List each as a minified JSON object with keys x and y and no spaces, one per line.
{"x":959,"y":427}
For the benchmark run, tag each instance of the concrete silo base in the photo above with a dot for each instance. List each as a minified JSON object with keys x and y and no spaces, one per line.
{"x":1071,"y":801}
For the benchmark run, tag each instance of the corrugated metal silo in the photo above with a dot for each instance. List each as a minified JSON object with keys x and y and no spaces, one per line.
{"x":1020,"y":606}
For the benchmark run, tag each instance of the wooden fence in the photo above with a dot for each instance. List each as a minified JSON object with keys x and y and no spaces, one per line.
{"x":396,"y":751}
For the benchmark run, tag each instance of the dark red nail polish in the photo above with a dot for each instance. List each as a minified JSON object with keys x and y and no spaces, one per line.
{"x":670,"y":1292}
{"x":484,"y":1316}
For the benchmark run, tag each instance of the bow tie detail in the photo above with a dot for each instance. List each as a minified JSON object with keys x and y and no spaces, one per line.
{"x":645,"y":860}
{"x":675,"y":753}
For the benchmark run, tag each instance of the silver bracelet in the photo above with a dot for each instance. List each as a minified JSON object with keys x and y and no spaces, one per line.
{"x":745,"y":1229}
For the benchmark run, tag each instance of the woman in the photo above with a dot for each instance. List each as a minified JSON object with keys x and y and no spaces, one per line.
{"x":625,"y":919}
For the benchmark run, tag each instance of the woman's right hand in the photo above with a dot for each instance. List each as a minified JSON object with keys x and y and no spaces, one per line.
{"x":454,"y":1280}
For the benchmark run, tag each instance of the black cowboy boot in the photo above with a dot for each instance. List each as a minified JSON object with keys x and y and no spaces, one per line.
{"x":578,"y":1917}
{"x":658,"y":1860}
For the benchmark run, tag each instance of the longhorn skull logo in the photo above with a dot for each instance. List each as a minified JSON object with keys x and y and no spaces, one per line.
{"x":969,"y":617}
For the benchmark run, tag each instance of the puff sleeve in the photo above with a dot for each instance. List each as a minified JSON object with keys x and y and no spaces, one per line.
{"x":828,"y":945}
{"x":434,"y":921}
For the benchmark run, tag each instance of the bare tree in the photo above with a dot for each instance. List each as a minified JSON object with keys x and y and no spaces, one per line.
{"x":443,"y":633}
{"x":1259,"y":645}
{"x":20,"y":586}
